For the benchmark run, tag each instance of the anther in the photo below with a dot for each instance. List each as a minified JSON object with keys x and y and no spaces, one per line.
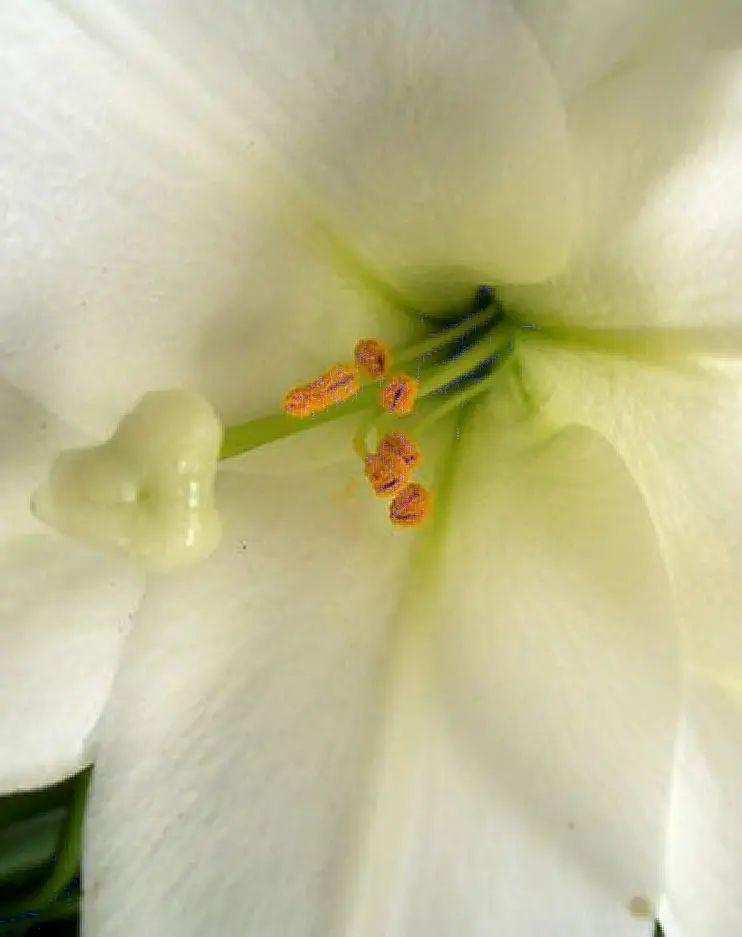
{"x":338,"y":384}
{"x":411,"y":506}
{"x":398,"y":394}
{"x":297,"y":402}
{"x":372,"y":357}
{"x":386,"y":472}
{"x":401,"y":446}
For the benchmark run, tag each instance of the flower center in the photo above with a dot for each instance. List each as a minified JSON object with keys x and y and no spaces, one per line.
{"x":148,"y":492}
{"x":398,"y":393}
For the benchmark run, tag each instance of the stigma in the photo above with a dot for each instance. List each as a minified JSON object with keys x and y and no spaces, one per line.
{"x":148,"y":492}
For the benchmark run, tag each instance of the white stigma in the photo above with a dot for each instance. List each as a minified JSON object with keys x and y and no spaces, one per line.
{"x":148,"y":492}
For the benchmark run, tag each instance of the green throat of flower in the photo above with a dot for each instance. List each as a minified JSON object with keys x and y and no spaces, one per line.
{"x":396,"y":395}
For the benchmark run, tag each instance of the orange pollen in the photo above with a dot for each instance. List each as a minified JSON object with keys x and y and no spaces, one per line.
{"x":401,"y":446}
{"x":386,"y":472}
{"x":398,"y":394}
{"x":335,"y":386}
{"x":372,"y":357}
{"x":411,"y":506}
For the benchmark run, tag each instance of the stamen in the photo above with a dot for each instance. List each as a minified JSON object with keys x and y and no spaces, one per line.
{"x":335,"y":386}
{"x":387,"y":473}
{"x":402,"y":447}
{"x":411,"y":506}
{"x":372,"y":358}
{"x":297,"y":402}
{"x":398,"y":394}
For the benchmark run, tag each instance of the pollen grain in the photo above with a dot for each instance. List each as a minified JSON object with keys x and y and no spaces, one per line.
{"x":398,"y":394}
{"x":411,"y":507}
{"x":401,"y":446}
{"x":372,"y":357}
{"x":335,"y":386}
{"x":386,"y":472}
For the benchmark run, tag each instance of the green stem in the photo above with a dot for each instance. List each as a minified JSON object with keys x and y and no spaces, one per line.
{"x":428,"y":345}
{"x":433,"y":413}
{"x":366,"y":424}
{"x":444,"y":484}
{"x":466,"y":363}
{"x":265,"y":429}
{"x":250,"y":435}
{"x":67,"y":858}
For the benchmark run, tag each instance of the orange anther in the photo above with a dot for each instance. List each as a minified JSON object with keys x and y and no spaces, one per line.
{"x":338,"y":384}
{"x":386,"y":472}
{"x":297,"y":402}
{"x":401,"y":446}
{"x":411,"y":506}
{"x":372,"y":357}
{"x":398,"y":394}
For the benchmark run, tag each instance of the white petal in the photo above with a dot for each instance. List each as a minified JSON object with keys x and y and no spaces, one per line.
{"x":63,"y":617}
{"x":483,"y":864}
{"x":232,"y":784}
{"x":585,"y":41}
{"x":658,"y":151}
{"x":31,"y":436}
{"x":696,"y":24}
{"x":550,"y":775}
{"x":704,"y":853}
{"x":430,"y":132}
{"x":237,"y":738}
{"x":681,"y":437}
{"x":560,"y":661}
{"x":135,"y":254}
{"x":63,"y":614}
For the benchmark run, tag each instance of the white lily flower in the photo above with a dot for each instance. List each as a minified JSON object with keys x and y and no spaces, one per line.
{"x":528,"y":721}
